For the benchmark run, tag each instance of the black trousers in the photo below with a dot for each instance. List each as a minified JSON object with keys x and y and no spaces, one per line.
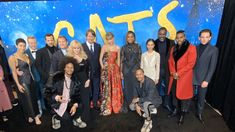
{"x":95,"y":87}
{"x":200,"y":98}
{"x":66,"y":119}
{"x":180,"y":105}
{"x":85,"y":98}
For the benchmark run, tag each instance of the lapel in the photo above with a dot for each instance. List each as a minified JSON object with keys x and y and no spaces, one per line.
{"x":30,"y":55}
{"x":204,"y":52}
{"x":71,"y":88}
{"x":88,"y":50}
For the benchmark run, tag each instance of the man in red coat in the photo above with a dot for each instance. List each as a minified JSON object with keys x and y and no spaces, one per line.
{"x":181,"y":62}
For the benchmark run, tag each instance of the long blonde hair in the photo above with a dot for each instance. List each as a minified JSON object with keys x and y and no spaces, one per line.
{"x":82,"y":53}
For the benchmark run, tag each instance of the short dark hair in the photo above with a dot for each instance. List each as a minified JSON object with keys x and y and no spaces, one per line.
{"x":0,"y":38}
{"x":91,"y":31}
{"x":20,"y":40}
{"x":49,"y":35}
{"x":139,"y":69}
{"x":62,"y":37}
{"x":149,"y":41}
{"x":205,"y":31}
{"x":180,"y":31}
{"x":162,"y":28}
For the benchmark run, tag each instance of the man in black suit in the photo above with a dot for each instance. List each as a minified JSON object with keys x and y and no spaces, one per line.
{"x":205,"y":66}
{"x":92,"y":50}
{"x":44,"y":64}
{"x":59,"y":54}
{"x":163,"y":46}
{"x":31,"y":52}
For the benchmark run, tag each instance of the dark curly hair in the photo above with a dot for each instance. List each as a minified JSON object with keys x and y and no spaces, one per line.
{"x":66,"y":61}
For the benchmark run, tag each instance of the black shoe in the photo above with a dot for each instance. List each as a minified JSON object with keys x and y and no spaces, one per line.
{"x":124,"y":110}
{"x":96,"y":108}
{"x":173,"y":114}
{"x":199,"y":116}
{"x":181,"y":119}
{"x":167,"y":107}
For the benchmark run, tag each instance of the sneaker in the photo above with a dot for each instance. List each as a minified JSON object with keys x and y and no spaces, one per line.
{"x":4,"y":118}
{"x":14,"y":102}
{"x":146,"y":125}
{"x":149,"y":127}
{"x":78,"y":122}
{"x":153,"y":111}
{"x":55,"y":123}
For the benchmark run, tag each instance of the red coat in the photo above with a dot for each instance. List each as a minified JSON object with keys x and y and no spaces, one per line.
{"x":185,"y":64}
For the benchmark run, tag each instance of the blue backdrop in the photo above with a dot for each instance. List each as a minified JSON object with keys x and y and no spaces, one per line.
{"x":73,"y":17}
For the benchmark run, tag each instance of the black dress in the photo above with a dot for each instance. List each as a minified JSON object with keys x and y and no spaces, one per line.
{"x":130,"y":60}
{"x":28,"y":99}
{"x":83,"y":74}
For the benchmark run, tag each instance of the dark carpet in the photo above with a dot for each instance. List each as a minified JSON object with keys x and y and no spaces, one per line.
{"x":129,"y":122}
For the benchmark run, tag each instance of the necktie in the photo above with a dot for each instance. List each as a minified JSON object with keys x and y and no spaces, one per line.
{"x":34,"y":51}
{"x":91,"y":48}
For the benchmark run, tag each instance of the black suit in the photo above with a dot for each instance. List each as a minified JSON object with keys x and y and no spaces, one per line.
{"x":37,"y":80}
{"x":93,"y":59}
{"x":43,"y":63}
{"x":56,"y":58}
{"x":203,"y":71}
{"x":164,"y":69}
{"x":74,"y":95}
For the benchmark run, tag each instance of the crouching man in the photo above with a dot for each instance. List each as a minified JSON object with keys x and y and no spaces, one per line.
{"x":146,"y":99}
{"x":66,"y":97}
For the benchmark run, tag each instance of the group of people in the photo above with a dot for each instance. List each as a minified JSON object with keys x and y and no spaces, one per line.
{"x":69,"y":79}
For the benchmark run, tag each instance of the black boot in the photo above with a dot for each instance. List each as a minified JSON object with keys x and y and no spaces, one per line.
{"x":181,"y":119}
{"x":173,"y":114}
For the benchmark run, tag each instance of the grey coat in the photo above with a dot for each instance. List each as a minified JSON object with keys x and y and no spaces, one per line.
{"x":205,"y":65}
{"x":148,"y":92}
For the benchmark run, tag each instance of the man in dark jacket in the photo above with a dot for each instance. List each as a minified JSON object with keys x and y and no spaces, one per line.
{"x":66,"y":97}
{"x":163,"y":46}
{"x":146,"y":99}
{"x":205,"y":66}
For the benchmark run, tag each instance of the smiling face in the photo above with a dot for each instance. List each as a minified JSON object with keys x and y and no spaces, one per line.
{"x":110,"y":41}
{"x":130,"y":38}
{"x":50,"y":41}
{"x":69,"y":68}
{"x":90,"y":38}
{"x":139,"y":74}
{"x":180,"y":38}
{"x":32,"y":43}
{"x":76,"y":49}
{"x":162,"y":35}
{"x":21,"y":47}
{"x":150,"y":45}
{"x":62,"y":43}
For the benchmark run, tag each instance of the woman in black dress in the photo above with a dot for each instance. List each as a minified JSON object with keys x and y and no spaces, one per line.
{"x":130,"y":62}
{"x":83,"y":75}
{"x":20,"y":66}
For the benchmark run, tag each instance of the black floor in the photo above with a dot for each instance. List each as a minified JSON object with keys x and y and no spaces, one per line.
{"x":129,"y":122}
